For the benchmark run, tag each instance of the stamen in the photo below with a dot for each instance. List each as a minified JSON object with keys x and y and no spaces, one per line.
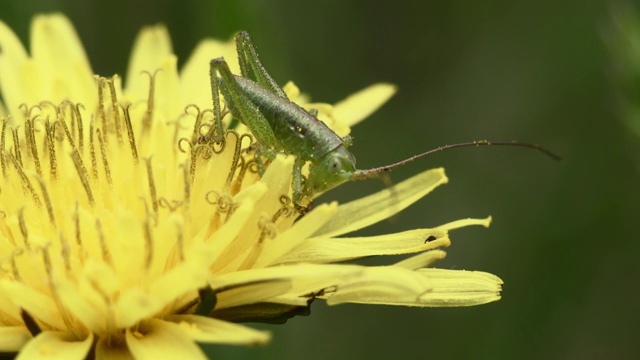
{"x":237,"y":184}
{"x":111,"y":321}
{"x":8,"y":234}
{"x":180,"y":242}
{"x":30,"y":110}
{"x":29,"y":133}
{"x":25,"y":110}
{"x":53,"y":106}
{"x":53,"y":163}
{"x":193,"y":162}
{"x":214,"y":224}
{"x":105,"y":162}
{"x":67,"y":103}
{"x":101,"y":113}
{"x":148,"y":248}
{"x":16,"y":146}
{"x":76,"y":219}
{"x":164,"y":203}
{"x":286,"y":210}
{"x":2,"y":146}
{"x":176,"y":132}
{"x":78,"y":117}
{"x":47,"y":200}
{"x":184,"y":140}
{"x":82,"y":173}
{"x":92,"y":151}
{"x":267,"y":229}
{"x":132,"y":139}
{"x":61,"y":121}
{"x":75,"y":152}
{"x":106,"y":255}
{"x":66,"y":318}
{"x":152,"y":186}
{"x":25,"y":181}
{"x":195,"y":135}
{"x":66,"y":253}
{"x":224,"y":205}
{"x":187,"y":187}
{"x":148,"y":115}
{"x":114,"y":107}
{"x":23,"y":228}
{"x":14,"y":267}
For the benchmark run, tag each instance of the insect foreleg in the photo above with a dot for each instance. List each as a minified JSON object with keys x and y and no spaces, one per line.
{"x":296,"y":181}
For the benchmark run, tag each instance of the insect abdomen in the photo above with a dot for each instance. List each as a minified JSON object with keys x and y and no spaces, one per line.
{"x":299,"y":133}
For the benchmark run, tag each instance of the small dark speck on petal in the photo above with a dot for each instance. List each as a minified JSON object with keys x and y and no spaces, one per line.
{"x":429,"y":239}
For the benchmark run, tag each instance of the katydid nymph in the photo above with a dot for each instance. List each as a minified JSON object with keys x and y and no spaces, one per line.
{"x":281,"y":126}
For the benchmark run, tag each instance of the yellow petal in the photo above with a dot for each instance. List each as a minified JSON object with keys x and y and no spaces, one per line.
{"x":210,"y":330}
{"x":38,"y":305}
{"x":466,"y":222}
{"x":52,"y":345}
{"x":157,"y":339}
{"x":297,"y":234}
{"x":277,"y":178}
{"x":381,"y":285}
{"x":229,"y":231}
{"x":381,"y":205}
{"x":167,"y":92}
{"x":196,"y":85}
{"x":76,"y":301}
{"x":112,"y":348}
{"x":9,"y":308}
{"x":324,"y":250}
{"x":360,"y":105}
{"x":459,"y":288}
{"x":69,"y":76}
{"x":295,"y":273}
{"x":421,"y":260}
{"x":13,"y":338}
{"x":421,"y":288}
{"x":150,"y":49}
{"x":137,"y":304}
{"x":12,"y":57}
{"x":251,"y":293}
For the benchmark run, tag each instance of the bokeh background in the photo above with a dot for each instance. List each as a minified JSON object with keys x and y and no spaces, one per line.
{"x":565,"y":235}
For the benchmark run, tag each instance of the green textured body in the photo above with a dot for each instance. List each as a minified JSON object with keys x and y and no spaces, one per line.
{"x":279,"y":125}
{"x":297,"y":131}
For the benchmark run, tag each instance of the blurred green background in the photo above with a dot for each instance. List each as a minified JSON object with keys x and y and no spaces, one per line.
{"x":564,"y":237}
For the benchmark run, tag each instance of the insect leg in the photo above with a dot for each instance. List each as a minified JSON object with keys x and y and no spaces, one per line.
{"x":296,"y":181}
{"x":240,"y":105}
{"x":297,"y":188}
{"x":267,"y":153}
{"x":251,"y":66}
{"x":215,"y":132}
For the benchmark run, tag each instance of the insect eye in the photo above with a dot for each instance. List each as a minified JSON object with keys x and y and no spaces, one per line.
{"x":335,"y":164}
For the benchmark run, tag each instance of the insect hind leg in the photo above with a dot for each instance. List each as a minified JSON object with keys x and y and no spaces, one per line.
{"x":252,"y":68}
{"x":239,"y":104}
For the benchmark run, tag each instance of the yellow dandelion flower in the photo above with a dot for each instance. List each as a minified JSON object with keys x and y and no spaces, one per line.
{"x":122,"y":236}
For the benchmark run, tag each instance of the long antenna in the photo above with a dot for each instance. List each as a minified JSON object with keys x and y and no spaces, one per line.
{"x":369,"y":173}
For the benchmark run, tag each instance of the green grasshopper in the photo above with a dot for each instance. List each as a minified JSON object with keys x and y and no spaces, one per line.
{"x":281,"y":126}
